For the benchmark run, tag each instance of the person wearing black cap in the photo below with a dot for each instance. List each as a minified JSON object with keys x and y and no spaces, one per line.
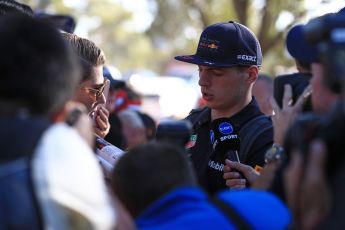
{"x":322,"y":98}
{"x":229,"y":57}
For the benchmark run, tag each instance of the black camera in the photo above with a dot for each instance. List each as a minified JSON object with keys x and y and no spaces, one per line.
{"x":328,"y":33}
{"x":175,"y":132}
{"x":330,"y":129}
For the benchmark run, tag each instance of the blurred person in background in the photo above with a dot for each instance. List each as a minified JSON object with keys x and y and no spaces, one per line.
{"x":121,"y":98}
{"x":49,"y":176}
{"x":323,"y":98}
{"x":158,"y":186}
{"x":150,"y":125}
{"x":61,"y":22}
{"x":133,"y":128}
{"x":262,"y":91}
{"x":12,"y":7}
{"x":300,"y":80}
{"x":115,"y":135}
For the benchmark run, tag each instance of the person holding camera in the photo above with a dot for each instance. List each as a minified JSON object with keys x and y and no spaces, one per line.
{"x":229,"y":58}
{"x":323,"y":97}
{"x":316,"y":156}
{"x":300,"y":80}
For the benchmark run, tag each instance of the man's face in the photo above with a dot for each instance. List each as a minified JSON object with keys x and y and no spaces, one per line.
{"x":222,"y":88}
{"x":92,"y":92}
{"x":322,"y":97}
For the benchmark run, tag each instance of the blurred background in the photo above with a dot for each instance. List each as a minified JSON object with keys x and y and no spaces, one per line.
{"x":141,"y":37}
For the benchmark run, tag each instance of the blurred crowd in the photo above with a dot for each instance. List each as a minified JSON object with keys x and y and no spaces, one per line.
{"x":255,"y":152}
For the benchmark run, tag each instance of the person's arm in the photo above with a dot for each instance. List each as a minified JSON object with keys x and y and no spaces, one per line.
{"x":285,"y":116}
{"x":306,"y":187}
{"x":282,"y":120}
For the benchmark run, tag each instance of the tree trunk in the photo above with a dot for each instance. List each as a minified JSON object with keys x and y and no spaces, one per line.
{"x":241,"y":9}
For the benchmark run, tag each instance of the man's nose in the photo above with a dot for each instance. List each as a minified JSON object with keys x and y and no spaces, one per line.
{"x":102,"y":99}
{"x":204,"y":78}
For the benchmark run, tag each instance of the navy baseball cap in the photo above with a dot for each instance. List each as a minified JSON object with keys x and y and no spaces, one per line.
{"x":114,"y":83}
{"x":226,"y":44}
{"x":298,"y":47}
{"x":60,"y":21}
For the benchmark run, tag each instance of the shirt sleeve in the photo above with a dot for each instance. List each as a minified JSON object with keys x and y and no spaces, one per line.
{"x":69,"y":182}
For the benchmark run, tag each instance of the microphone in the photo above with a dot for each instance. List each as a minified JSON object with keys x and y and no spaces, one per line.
{"x":224,"y":138}
{"x":176,"y":132}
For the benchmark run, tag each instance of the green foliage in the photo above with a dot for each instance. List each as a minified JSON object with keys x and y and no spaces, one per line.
{"x":176,"y":28}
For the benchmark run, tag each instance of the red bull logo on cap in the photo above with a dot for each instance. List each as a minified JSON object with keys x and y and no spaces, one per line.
{"x":209,"y":44}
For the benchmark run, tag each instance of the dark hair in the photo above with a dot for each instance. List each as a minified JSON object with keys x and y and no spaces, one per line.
{"x":304,"y":65}
{"x":150,"y":125}
{"x":87,"y":51}
{"x":12,"y":7}
{"x":37,"y":68}
{"x":149,"y":171}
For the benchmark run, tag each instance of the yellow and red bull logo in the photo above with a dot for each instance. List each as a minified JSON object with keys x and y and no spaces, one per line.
{"x":213,"y":46}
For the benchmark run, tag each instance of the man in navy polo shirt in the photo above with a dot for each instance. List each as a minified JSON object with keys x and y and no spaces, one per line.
{"x":229,"y":57}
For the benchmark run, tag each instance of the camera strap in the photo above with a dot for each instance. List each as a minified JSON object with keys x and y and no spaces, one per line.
{"x":231,"y":214}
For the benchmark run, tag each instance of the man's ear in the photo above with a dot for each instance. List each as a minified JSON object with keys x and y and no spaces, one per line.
{"x":253,"y":72}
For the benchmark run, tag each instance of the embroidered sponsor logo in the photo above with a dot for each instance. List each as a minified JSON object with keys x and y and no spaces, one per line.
{"x":192,"y":141}
{"x":209,"y":44}
{"x":246,"y":58}
{"x":213,"y":46}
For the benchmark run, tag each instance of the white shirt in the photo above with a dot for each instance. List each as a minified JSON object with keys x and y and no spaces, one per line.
{"x":69,"y":182}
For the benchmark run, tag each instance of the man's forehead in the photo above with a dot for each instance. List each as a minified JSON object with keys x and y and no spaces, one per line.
{"x":97,"y":77}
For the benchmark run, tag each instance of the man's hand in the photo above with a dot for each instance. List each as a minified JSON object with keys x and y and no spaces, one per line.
{"x":306,"y":188}
{"x":234,"y":179}
{"x":284,"y":117}
{"x":101,"y":124}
